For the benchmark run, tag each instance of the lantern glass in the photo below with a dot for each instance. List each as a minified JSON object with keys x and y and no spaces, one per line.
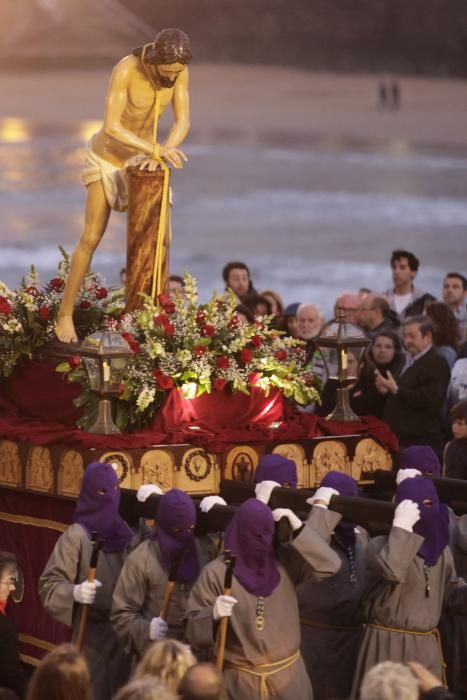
{"x":92,"y":368}
{"x":342,"y":346}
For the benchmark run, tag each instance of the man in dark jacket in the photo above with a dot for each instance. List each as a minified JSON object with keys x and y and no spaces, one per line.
{"x":415,"y":398}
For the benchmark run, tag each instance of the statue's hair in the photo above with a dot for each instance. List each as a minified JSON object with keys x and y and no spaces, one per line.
{"x":168,"y":660}
{"x":170,"y":46}
{"x":389,"y":681}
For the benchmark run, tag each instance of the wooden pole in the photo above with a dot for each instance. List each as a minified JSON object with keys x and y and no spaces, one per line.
{"x":230,"y":563}
{"x":147,"y":262}
{"x":169,"y":590}
{"x":91,"y":577}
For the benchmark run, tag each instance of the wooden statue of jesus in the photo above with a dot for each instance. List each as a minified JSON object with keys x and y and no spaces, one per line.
{"x":141,"y":87}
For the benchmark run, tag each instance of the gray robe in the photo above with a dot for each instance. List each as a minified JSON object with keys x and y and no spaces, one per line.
{"x":455,"y":626}
{"x":330,"y":605}
{"x":308,"y":556}
{"x":68,"y":564}
{"x":139,"y":594}
{"x":395,"y":596}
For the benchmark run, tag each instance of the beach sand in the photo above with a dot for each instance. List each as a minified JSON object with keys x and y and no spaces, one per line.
{"x":251,"y":104}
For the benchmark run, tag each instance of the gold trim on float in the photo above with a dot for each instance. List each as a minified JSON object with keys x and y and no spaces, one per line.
{"x":25,"y":658}
{"x":35,"y":522}
{"x":36,"y":642}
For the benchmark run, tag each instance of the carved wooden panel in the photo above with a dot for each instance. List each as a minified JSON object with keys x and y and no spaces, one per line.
{"x":241,"y":463}
{"x":70,"y":473}
{"x":10,"y":464}
{"x":199,"y":472}
{"x":296,"y":453}
{"x":329,"y":455}
{"x":123,"y":462}
{"x":39,"y":471}
{"x":156,"y":467}
{"x":369,"y":456}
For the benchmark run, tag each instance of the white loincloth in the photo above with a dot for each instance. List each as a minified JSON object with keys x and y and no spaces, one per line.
{"x":114,"y":180}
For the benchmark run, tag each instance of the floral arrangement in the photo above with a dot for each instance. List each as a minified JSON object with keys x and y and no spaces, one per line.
{"x":27,"y":315}
{"x":197,"y":348}
{"x":176,"y":343}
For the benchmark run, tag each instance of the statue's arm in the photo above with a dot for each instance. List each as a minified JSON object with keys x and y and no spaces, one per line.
{"x":116,"y":101}
{"x":181,"y":112}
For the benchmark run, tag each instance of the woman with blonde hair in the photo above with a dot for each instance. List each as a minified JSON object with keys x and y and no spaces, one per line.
{"x":61,"y":675}
{"x":167,"y":660}
{"x":145,"y":689}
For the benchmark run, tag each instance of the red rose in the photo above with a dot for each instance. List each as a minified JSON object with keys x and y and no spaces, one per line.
{"x":121,"y":388}
{"x":207,"y":330}
{"x":5,"y":306}
{"x":85,"y":304}
{"x":56,"y":283}
{"x":74,"y":360}
{"x":234,"y":322}
{"x":164,"y":381}
{"x":246,"y":356}
{"x":32,"y":291}
{"x":169,"y":329}
{"x":281,"y":355}
{"x":132,"y":342}
{"x":200,"y":350}
{"x":253,"y":378}
{"x":166,"y":302}
{"x":43,"y":312}
{"x":223,"y":362}
{"x":256,"y":341}
{"x":161,"y":320}
{"x":200,"y":316}
{"x":220,"y":384}
{"x":101,"y":293}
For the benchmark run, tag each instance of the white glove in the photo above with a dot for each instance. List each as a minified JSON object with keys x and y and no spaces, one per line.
{"x":324,"y":494}
{"x":264,"y":489}
{"x":85,"y":593}
{"x":406,"y":515}
{"x":295,"y":522}
{"x":147,"y":490}
{"x":209,"y":501}
{"x":158,"y":629}
{"x":406,"y":474}
{"x":223,"y":606}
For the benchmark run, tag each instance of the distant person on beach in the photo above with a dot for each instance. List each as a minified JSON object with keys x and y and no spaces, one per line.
{"x":157,"y":71}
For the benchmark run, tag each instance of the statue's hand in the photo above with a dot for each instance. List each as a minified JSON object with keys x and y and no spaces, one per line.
{"x":149,"y":164}
{"x":173,"y":155}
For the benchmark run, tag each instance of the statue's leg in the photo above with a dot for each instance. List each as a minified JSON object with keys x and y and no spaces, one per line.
{"x":95,"y":223}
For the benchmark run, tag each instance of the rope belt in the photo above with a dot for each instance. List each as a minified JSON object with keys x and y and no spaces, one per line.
{"x":323,"y":626}
{"x":157,"y":281}
{"x":433,"y":632}
{"x":263,"y":671}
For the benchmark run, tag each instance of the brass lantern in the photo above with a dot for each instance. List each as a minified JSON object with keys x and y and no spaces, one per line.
{"x":342,"y":345}
{"x":105,"y":355}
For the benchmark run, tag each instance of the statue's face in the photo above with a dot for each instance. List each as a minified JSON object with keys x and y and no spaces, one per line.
{"x":168,"y":73}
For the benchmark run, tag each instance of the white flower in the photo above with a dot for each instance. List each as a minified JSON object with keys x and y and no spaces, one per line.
{"x":156,"y":349}
{"x":183,"y":356}
{"x":145,"y":398}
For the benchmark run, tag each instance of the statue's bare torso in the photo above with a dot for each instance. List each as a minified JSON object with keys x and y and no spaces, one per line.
{"x":137,"y":100}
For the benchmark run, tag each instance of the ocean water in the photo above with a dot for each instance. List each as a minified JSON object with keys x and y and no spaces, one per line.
{"x":310,"y":220}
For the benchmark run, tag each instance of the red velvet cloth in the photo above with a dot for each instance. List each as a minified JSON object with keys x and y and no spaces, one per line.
{"x":17,"y":537}
{"x":36,"y":406}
